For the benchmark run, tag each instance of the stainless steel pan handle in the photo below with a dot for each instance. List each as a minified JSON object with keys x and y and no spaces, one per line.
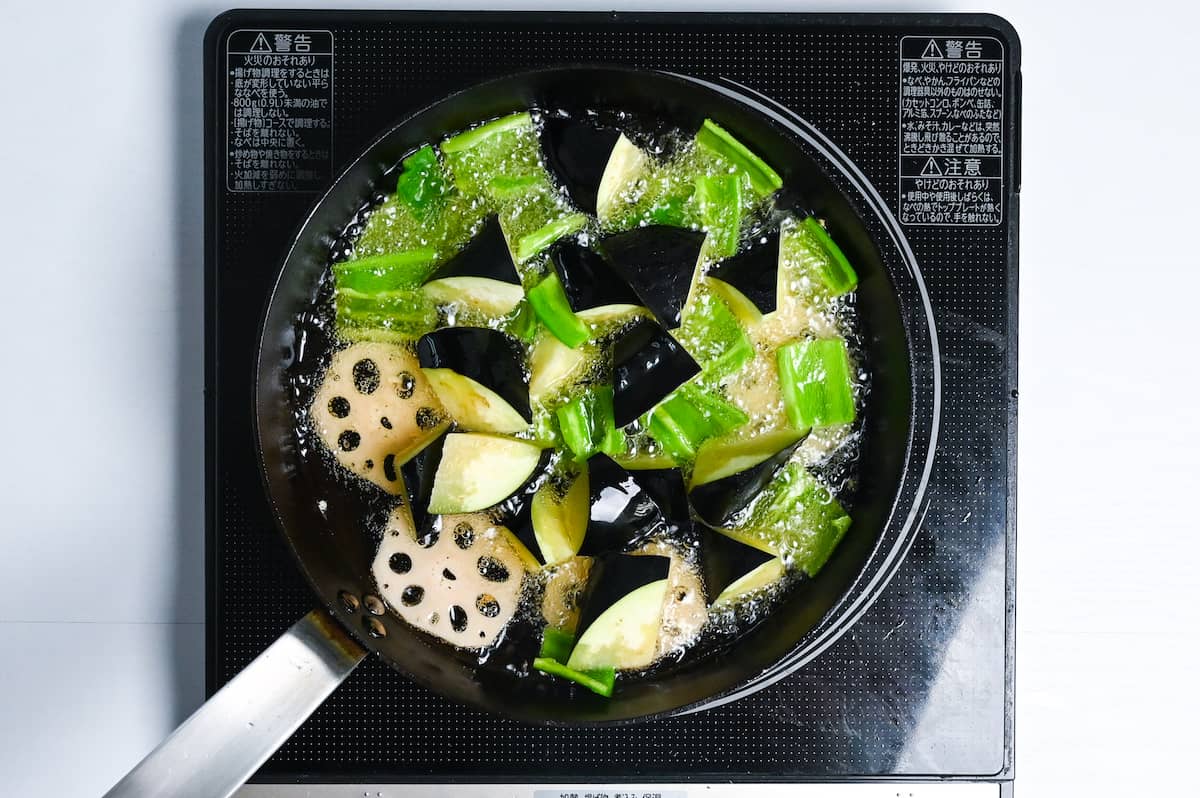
{"x":226,"y":740}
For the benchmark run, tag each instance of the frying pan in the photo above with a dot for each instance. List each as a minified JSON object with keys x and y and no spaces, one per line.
{"x":229,"y":737}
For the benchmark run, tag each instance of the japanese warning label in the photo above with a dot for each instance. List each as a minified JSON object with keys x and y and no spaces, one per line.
{"x":280,"y":115}
{"x":951,"y":130}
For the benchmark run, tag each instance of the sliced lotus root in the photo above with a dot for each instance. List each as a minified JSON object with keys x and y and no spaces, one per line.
{"x":375,"y":410}
{"x":460,"y":581}
{"x":565,"y":583}
{"x":685,"y":610}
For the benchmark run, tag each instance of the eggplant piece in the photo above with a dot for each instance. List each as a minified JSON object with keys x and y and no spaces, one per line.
{"x":418,"y":474}
{"x":760,"y":578}
{"x":718,"y":458}
{"x":485,"y":255}
{"x":717,"y":502}
{"x":797,"y":518}
{"x":647,"y":365}
{"x":614,"y":576}
{"x":478,"y":471}
{"x":473,"y":407}
{"x":658,"y":262}
{"x":516,"y":510}
{"x":626,"y":636}
{"x":577,"y":152}
{"x":623,"y":515}
{"x":587,"y":278}
{"x":515,"y":513}
{"x":559,"y":514}
{"x":489,"y":357}
{"x":753,"y":272}
{"x":724,"y":560}
{"x":666,"y":488}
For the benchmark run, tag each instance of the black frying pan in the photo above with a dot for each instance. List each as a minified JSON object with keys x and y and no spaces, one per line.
{"x":283,"y":686}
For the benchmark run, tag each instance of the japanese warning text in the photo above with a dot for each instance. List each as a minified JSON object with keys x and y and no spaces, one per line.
{"x":280,"y":110}
{"x":951,"y":130}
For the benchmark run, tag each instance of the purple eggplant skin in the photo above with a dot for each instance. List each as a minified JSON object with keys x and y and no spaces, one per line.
{"x":588,"y":279}
{"x":753,"y":272}
{"x":418,"y":474}
{"x":647,"y":365}
{"x":576,"y":150}
{"x":724,"y":560}
{"x":623,"y":514}
{"x":485,"y":255}
{"x":490,"y":357}
{"x":658,"y":262}
{"x":666,"y":488}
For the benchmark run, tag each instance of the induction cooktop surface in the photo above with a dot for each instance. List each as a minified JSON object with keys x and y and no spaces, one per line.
{"x":926,"y":109}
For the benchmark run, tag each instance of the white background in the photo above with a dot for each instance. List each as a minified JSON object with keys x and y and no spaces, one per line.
{"x":101,"y":597}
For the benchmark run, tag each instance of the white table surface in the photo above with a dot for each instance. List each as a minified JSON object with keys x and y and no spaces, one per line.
{"x":101,"y":584}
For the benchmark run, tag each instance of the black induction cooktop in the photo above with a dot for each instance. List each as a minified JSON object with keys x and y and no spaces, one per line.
{"x":926,"y":106}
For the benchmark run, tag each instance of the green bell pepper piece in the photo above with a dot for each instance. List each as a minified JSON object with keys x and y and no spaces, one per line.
{"x":390,"y":272}
{"x":503,"y":148}
{"x":599,"y":681}
{"x":836,"y":270}
{"x":712,"y":334}
{"x":522,"y":322}
{"x":720,"y":199}
{"x":406,"y":312}
{"x":806,"y":250}
{"x":797,"y":517}
{"x":549,"y":302}
{"x":556,"y":644}
{"x":587,"y":423}
{"x":818,"y":389}
{"x":422,"y":185}
{"x":509,"y":187}
{"x":714,"y":138}
{"x":531,"y":244}
{"x":472,"y":138}
{"x":691,"y":415}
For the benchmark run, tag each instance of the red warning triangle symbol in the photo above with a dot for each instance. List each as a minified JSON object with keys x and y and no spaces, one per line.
{"x":932,"y":50}
{"x":261,"y":45}
{"x":931,"y":168}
